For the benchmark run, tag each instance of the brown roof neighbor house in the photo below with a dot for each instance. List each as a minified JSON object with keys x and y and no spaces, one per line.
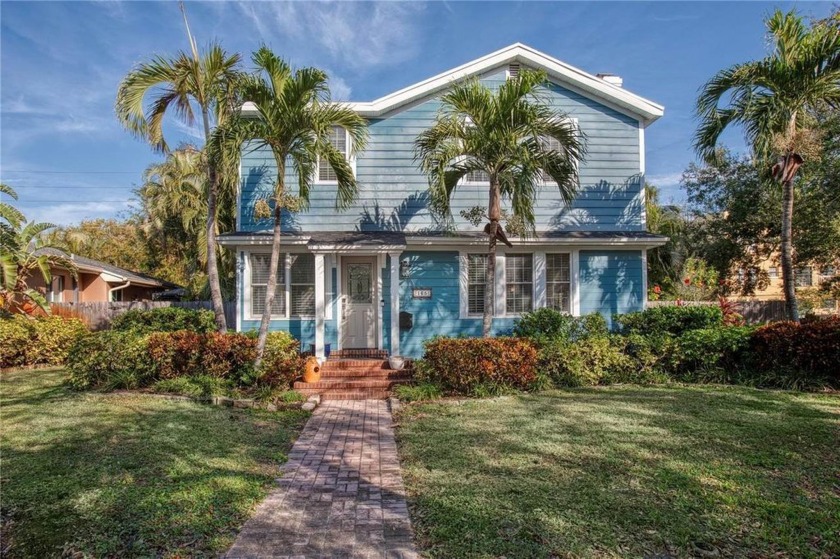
{"x":98,"y":282}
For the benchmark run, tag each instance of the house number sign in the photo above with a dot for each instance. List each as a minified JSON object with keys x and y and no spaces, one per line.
{"x":421,"y":293}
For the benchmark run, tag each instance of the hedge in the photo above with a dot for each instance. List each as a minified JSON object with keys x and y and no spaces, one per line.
{"x":670,"y":320}
{"x":166,"y":319}
{"x":546,"y":325}
{"x":478,"y":366}
{"x":27,"y":341}
{"x":806,"y":353}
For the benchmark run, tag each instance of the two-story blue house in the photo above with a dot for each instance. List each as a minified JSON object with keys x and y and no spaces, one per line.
{"x":382,"y":275}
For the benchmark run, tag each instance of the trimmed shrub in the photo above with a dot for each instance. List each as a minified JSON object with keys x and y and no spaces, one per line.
{"x":712,"y":354}
{"x":479,"y":366}
{"x":801,"y":354}
{"x":190,"y":354}
{"x":282,"y":362}
{"x":109,"y":360}
{"x":166,"y":319}
{"x":26,"y":341}
{"x":544,"y":325}
{"x":673,"y":320}
{"x":650,"y":358}
{"x":594,"y":360}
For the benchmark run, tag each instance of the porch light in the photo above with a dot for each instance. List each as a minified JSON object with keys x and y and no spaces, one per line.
{"x":405,"y":269}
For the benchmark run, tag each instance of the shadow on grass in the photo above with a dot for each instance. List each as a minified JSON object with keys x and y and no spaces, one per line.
{"x":628,"y":471}
{"x":131,"y":476}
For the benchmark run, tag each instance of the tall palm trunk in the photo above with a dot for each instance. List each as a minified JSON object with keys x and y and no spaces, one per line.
{"x":271,"y":287}
{"x":495,"y":214}
{"x":791,"y":308}
{"x":212,"y":261}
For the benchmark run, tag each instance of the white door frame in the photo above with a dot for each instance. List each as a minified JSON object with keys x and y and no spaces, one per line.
{"x":376,"y":288}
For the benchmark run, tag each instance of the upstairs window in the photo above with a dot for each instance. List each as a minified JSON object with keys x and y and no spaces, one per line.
{"x":773,"y":272}
{"x":476,"y":283}
{"x":519,"y":272}
{"x":260,"y":264}
{"x":804,"y":277}
{"x":558,"y":282}
{"x":338,"y":138}
{"x":477,"y":177}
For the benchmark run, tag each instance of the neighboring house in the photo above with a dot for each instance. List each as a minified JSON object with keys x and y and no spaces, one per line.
{"x":808,"y":280}
{"x":97,"y":282}
{"x":384,"y":275}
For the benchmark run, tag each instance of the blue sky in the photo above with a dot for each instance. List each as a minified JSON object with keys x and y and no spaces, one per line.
{"x":61,"y":62}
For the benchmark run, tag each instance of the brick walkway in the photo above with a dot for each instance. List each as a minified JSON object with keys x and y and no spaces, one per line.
{"x":341,"y":494}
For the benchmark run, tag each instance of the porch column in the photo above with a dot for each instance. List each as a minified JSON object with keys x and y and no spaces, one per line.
{"x":395,"y":302}
{"x":320,"y":297}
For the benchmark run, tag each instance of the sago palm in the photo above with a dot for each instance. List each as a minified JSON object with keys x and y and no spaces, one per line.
{"x":294,"y":118}
{"x":20,"y":258}
{"x":775,"y":100}
{"x":175,"y":84}
{"x":511,"y":136}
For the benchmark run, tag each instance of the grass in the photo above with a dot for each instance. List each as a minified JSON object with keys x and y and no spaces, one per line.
{"x":121,"y":476}
{"x":626,"y":472}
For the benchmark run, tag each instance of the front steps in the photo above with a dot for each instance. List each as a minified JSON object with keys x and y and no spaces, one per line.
{"x":355,"y":375}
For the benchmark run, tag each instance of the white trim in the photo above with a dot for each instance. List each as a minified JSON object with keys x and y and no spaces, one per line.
{"x":240,"y":289}
{"x":539,"y":270}
{"x":568,"y":75}
{"x":574,"y":278}
{"x":643,"y":194}
{"x":287,"y":286}
{"x":644,"y":279}
{"x":339,"y":301}
{"x":395,"y":303}
{"x":463,"y":284}
{"x":320,"y":295}
{"x":239,"y":197}
{"x":380,"y":302}
{"x":329,"y":265}
{"x":630,"y":240}
{"x":288,"y":277}
{"x":499,"y":300}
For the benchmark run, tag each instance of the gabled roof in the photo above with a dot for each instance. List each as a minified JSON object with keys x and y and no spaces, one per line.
{"x":564,"y":74}
{"x":112,"y":273}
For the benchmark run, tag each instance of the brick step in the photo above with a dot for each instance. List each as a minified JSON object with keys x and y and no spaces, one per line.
{"x":359,"y":354}
{"x":354,"y":364}
{"x":370,"y":394}
{"x":364,"y":373}
{"x":349,"y":384}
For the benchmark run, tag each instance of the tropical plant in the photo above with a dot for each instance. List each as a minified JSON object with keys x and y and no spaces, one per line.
{"x":776,"y":101}
{"x":22,"y":254}
{"x":208,"y":80}
{"x":667,"y":220}
{"x":509,"y":137}
{"x":295,"y":119}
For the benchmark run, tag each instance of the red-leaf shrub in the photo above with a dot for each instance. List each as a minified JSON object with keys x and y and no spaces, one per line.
{"x":185,"y":353}
{"x":281,"y":363}
{"x":480,"y":365}
{"x":810,"y":349}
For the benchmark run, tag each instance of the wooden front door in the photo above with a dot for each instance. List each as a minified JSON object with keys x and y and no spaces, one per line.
{"x":358,"y":327}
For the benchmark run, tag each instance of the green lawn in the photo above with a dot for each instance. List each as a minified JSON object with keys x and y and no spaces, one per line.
{"x":118,"y":476}
{"x":626,"y":472}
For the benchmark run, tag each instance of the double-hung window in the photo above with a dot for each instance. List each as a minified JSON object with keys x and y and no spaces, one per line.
{"x":519,"y":273}
{"x":303,"y":284}
{"x":476,"y":283}
{"x":803,"y":277}
{"x":558,"y":282}
{"x":259,"y":285}
{"x":338,"y":139}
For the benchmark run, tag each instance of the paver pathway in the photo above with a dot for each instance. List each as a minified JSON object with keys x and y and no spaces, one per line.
{"x":341,"y":493}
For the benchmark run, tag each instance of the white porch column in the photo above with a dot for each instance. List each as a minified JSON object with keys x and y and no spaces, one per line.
{"x":395,"y":302}
{"x":320,"y":297}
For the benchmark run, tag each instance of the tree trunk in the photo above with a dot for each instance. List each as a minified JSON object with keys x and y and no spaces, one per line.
{"x":494,"y":213}
{"x":271,"y":287}
{"x":789,"y":280}
{"x":212,"y":261}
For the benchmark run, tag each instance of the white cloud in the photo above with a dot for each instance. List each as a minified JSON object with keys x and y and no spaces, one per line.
{"x":357,"y":35}
{"x":666,"y":180}
{"x":70,"y":213}
{"x":339,"y":88}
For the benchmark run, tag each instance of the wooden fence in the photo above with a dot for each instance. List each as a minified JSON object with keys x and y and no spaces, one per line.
{"x":754,"y":312}
{"x":100,"y":315}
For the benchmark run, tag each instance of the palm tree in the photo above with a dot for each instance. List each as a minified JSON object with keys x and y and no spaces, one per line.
{"x":512,"y":138}
{"x":295,"y":119}
{"x":21,"y":255}
{"x":775,"y":100}
{"x":208,"y":80}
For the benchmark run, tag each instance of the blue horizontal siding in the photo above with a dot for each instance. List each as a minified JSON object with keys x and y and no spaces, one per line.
{"x":611,"y":282}
{"x":393,"y":192}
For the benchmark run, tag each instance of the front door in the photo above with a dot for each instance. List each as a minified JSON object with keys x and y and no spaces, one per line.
{"x":358,"y":326}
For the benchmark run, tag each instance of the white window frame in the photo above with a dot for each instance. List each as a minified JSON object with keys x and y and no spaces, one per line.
{"x":348,"y":155}
{"x":533,"y":283}
{"x":464,"y":281}
{"x":56,"y":295}
{"x":570,"y":282}
{"x":547,"y":181}
{"x":284,"y":290}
